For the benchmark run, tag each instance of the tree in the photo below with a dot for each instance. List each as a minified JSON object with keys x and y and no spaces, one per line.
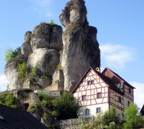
{"x":9,"y":54}
{"x":66,"y":106}
{"x":111,"y":120}
{"x":133,"y":118}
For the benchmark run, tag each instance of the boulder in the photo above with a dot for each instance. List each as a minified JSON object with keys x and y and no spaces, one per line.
{"x":44,"y":59}
{"x":47,"y":36}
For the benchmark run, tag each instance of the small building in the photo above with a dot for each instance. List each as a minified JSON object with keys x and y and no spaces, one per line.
{"x":97,"y":92}
{"x":15,"y":119}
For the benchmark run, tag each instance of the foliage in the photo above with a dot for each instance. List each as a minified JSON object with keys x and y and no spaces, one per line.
{"x":9,"y":55}
{"x":17,"y":51}
{"x":133,"y":119}
{"x":9,"y":100}
{"x":108,"y":120}
{"x":52,"y":23}
{"x":66,"y":105}
{"x":111,"y":120}
{"x":52,"y":108}
{"x":59,"y":67}
{"x":34,"y":108}
{"x":22,"y":68}
{"x":95,"y":123}
{"x":33,"y":73}
{"x":44,"y":77}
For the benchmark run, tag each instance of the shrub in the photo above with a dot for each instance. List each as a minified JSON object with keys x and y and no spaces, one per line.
{"x":33,"y":73}
{"x":9,"y":100}
{"x":44,"y":77}
{"x":59,"y":67}
{"x":9,"y":55}
{"x":34,"y":108}
{"x":22,"y":68}
{"x":52,"y":23}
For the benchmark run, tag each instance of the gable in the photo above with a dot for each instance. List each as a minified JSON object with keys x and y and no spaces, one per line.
{"x":115,"y":77}
{"x":90,"y":75}
{"x":92,"y":90}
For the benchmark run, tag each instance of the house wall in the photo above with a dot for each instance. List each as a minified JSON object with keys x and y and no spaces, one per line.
{"x":104,"y":107}
{"x":114,"y":99}
{"x":129,"y":95}
{"x":90,"y":87}
{"x":92,"y":84}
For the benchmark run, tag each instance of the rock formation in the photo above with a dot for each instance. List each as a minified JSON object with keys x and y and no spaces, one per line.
{"x":40,"y":52}
{"x":80,"y":46}
{"x":55,"y":59}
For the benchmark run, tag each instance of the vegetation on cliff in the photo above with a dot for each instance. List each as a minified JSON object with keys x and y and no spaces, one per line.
{"x":55,"y":108}
{"x":10,"y":100}
{"x":111,"y":120}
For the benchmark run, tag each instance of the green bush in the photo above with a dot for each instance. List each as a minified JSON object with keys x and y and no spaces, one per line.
{"x":52,"y":23}
{"x":22,"y":70}
{"x":51,"y":108}
{"x":34,"y":108}
{"x":33,"y":73}
{"x":44,"y":77}
{"x":9,"y":100}
{"x":9,"y":55}
{"x":59,"y":67}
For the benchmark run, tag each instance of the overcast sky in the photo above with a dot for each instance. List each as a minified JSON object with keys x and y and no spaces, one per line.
{"x":120,"y":27}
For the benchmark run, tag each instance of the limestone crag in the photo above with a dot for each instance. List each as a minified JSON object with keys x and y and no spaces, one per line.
{"x":47,"y":36}
{"x":12,"y":75}
{"x":44,"y":59}
{"x":51,"y":59}
{"x":26,"y":49}
{"x":80,"y":46}
{"x":40,"y":52}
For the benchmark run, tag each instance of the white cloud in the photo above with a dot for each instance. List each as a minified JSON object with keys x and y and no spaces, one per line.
{"x":116,"y":55}
{"x":138,"y":93}
{"x":3,"y":82}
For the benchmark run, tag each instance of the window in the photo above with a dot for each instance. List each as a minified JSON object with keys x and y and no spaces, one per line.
{"x":128,"y":103}
{"x":130,"y":90}
{"x":119,"y":99}
{"x":87,"y":112}
{"x":98,"y":110}
{"x":84,"y":98}
{"x":99,"y":95}
{"x":90,"y":82}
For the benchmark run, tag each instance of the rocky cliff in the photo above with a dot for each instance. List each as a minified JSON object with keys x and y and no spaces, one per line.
{"x":52,"y":59}
{"x":41,"y":56}
{"x":80,"y":46}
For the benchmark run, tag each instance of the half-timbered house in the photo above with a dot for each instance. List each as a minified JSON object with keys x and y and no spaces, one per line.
{"x":97,"y":92}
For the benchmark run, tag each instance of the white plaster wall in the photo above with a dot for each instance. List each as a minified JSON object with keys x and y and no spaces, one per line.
{"x":104,"y":108}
